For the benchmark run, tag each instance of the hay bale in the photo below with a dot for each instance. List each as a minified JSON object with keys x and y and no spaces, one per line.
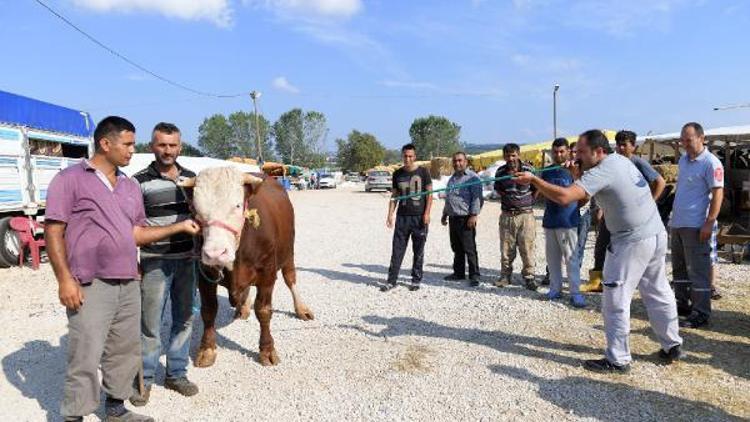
{"x":668,"y":171}
{"x":441,"y":166}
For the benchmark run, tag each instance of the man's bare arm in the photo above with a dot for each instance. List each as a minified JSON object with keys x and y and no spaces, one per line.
{"x":69,"y":291}
{"x":657,"y":187}
{"x":561,"y":195}
{"x":146,"y":235}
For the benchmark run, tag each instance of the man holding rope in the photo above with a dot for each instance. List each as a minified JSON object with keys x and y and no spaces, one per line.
{"x":636,"y":254}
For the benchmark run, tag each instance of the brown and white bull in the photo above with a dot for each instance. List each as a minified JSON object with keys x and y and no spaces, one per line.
{"x":248,"y":236}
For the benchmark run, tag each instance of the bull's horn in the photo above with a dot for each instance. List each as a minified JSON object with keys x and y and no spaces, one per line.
{"x":249,"y":179}
{"x":186,"y":182}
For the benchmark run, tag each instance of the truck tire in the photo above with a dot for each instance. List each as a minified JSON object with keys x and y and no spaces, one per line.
{"x":8,"y":244}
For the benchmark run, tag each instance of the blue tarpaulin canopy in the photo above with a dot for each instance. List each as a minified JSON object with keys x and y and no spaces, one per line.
{"x":25,"y":111}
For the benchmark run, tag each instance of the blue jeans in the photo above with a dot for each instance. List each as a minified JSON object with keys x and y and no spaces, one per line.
{"x":175,"y":278}
{"x":583,"y":230}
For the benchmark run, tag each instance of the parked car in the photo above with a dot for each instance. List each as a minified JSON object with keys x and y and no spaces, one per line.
{"x":327,"y":181}
{"x":378,"y":180}
{"x":352,"y":177}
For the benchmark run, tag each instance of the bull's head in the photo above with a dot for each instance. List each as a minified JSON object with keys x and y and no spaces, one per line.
{"x":219,"y":203}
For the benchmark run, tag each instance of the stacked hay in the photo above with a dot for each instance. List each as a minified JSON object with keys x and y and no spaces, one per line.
{"x":668,"y":171}
{"x":424,"y":164}
{"x":440,"y":166}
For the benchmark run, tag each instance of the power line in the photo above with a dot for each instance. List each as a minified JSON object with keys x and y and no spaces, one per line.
{"x":131,"y":62}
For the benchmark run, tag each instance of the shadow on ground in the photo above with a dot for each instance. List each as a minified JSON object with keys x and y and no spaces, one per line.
{"x":533,"y":347}
{"x":591,"y":398}
{"x":37,"y":370}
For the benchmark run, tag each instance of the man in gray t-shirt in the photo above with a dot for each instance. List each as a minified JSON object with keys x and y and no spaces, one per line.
{"x":636,"y":253}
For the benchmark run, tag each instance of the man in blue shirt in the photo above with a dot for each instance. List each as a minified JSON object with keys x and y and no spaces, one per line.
{"x":561,"y":231}
{"x":700,"y":190}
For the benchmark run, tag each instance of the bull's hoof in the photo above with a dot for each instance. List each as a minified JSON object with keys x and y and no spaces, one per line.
{"x":268,"y":357}
{"x":304,"y":313}
{"x":205,"y":358}
{"x":243,"y":312}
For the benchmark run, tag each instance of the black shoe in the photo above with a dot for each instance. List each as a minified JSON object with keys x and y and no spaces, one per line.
{"x":695,"y":320}
{"x":413,"y":287}
{"x":139,"y":400}
{"x":387,"y":286}
{"x":674,"y":354}
{"x":684,"y":309}
{"x":603,"y":365}
{"x":545,"y":281}
{"x":530,"y":284}
{"x":454,"y":277}
{"x":474,"y":281}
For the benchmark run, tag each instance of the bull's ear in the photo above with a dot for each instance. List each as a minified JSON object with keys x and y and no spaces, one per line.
{"x":249,"y":179}
{"x":186,"y":182}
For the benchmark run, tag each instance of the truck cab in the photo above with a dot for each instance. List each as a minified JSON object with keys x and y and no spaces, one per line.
{"x":37,"y":140}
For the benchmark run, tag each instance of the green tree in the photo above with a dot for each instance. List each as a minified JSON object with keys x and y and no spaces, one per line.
{"x":245,"y":136}
{"x":392,"y":156}
{"x":359,"y":152}
{"x":188,"y":150}
{"x":435,"y":136}
{"x":235,"y":136}
{"x":300,"y":137}
{"x":215,"y":137}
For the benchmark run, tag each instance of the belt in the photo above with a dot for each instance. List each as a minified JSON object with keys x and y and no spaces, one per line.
{"x":516,"y":212}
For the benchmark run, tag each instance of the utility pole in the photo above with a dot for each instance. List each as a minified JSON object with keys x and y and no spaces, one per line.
{"x":554,"y":111}
{"x":255,"y":95}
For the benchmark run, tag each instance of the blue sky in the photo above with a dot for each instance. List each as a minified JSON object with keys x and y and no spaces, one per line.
{"x":376,"y":65}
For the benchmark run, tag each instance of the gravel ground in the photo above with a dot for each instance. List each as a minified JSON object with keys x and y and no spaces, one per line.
{"x":445,"y":352}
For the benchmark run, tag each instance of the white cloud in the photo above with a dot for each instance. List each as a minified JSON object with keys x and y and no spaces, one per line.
{"x":217,"y":12}
{"x":313,"y":8}
{"x":282,"y":84}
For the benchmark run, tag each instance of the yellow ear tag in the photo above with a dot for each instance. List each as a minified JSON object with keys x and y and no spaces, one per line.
{"x":252,"y":216}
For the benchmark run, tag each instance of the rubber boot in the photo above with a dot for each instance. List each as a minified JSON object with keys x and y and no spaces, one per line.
{"x":594,"y":284}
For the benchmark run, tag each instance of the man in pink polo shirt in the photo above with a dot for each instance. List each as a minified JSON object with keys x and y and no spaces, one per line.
{"x":94,"y":222}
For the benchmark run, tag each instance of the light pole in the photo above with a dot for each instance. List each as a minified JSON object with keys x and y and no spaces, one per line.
{"x":554,"y":111}
{"x":255,"y":95}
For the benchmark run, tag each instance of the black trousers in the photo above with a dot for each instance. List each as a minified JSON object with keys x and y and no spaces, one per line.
{"x":600,"y":247}
{"x":408,"y":226}
{"x":464,"y":246}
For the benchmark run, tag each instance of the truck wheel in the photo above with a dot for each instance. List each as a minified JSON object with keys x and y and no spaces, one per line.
{"x":9,"y":244}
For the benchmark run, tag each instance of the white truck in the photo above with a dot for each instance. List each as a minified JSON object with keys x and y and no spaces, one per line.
{"x":37,"y":140}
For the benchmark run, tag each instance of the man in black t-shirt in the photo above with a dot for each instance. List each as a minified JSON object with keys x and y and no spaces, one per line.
{"x":412,"y":218}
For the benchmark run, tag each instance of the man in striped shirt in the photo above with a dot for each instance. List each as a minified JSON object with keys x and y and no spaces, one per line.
{"x":169,"y":268}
